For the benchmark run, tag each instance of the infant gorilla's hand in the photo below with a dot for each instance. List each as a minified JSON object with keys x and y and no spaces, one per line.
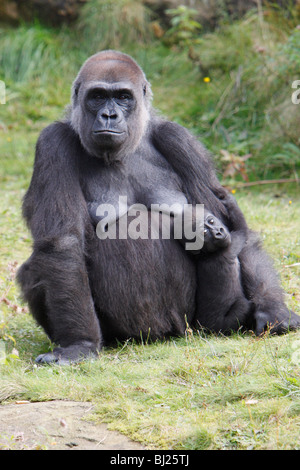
{"x":229,"y":201}
{"x":220,"y":192}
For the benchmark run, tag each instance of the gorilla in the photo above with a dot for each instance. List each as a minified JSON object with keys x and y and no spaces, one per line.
{"x":111,"y":150}
{"x":220,"y":291}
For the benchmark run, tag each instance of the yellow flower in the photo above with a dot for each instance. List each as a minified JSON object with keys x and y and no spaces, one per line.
{"x":233,"y":191}
{"x":290,"y":202}
{"x":206,"y":79}
{"x":9,"y":139}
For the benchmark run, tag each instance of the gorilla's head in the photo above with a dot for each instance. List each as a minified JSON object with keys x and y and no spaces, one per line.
{"x":216,"y":235}
{"x":110,"y":105}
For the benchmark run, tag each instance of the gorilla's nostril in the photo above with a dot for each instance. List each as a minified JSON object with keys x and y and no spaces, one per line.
{"x":219,"y":234}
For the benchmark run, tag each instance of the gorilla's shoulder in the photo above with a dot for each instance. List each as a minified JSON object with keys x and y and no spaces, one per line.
{"x":160,"y":125}
{"x":172,"y":138}
{"x":58,"y":129}
{"x":163,"y":130}
{"x":57,"y":134}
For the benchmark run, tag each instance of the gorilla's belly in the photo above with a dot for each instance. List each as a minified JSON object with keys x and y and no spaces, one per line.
{"x":143,"y":287}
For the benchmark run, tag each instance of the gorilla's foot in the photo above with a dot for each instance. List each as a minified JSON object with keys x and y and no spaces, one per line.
{"x":70,"y":354}
{"x":278,"y":325}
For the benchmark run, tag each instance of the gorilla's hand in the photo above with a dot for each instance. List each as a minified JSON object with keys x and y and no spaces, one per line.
{"x":220,"y":192}
{"x":70,"y":354}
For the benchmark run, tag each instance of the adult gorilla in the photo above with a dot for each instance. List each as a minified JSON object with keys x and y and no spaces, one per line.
{"x":86,"y":290}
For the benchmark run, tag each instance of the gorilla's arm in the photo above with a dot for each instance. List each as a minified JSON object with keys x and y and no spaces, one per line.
{"x":237,"y":219}
{"x":192,"y":163}
{"x":53,"y":204}
{"x":54,"y":279}
{"x":238,"y":226}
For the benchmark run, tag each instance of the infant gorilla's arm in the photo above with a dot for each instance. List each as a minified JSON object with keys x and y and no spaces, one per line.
{"x":236,"y":217}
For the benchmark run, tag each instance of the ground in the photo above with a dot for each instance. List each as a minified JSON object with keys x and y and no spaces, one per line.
{"x":56,"y":425}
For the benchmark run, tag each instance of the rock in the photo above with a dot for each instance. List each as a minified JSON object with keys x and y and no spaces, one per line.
{"x":57,"y":425}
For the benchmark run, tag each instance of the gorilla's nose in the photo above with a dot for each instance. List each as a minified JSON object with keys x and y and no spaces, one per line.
{"x":219,"y":233}
{"x":109,"y":114}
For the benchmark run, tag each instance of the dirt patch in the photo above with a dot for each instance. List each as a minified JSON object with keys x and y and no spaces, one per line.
{"x":57,"y":425}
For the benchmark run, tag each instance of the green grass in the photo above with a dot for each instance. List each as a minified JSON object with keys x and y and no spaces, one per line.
{"x":197,"y":392}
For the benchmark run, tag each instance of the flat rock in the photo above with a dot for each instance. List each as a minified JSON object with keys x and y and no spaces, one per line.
{"x":57,"y":425}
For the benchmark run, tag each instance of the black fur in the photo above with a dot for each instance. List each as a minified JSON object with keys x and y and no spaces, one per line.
{"x":221,"y":302}
{"x":86,"y":291}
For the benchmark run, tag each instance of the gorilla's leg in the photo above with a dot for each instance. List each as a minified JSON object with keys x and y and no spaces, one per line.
{"x":262,"y":287}
{"x":54,"y":282}
{"x":225,"y":322}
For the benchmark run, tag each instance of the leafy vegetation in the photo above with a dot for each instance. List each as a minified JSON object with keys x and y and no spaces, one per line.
{"x":201,"y":391}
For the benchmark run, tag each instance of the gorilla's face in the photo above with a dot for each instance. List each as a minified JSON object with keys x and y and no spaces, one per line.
{"x":110,"y":105}
{"x":108,"y":109}
{"x":216,"y":235}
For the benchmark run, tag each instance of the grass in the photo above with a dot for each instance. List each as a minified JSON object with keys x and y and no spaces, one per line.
{"x":197,"y":392}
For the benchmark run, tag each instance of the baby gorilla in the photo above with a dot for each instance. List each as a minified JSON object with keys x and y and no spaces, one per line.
{"x":221,"y":302}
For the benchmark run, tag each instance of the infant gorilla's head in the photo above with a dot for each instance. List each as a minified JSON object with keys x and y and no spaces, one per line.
{"x":216,"y":234}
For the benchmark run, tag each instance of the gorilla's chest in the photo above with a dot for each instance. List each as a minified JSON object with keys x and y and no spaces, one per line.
{"x":146,"y":182}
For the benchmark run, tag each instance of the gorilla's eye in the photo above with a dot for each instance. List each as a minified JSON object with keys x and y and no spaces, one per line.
{"x":205,"y":230}
{"x":97,"y":95}
{"x":211,"y":221}
{"x":123,"y":96}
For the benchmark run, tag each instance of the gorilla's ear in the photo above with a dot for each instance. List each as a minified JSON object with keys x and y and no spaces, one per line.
{"x":75,"y":92}
{"x":147,"y":93}
{"x":76,"y":89}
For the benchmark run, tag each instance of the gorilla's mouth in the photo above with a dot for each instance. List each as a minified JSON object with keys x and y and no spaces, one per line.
{"x":224,"y":242}
{"x":107,"y":131}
